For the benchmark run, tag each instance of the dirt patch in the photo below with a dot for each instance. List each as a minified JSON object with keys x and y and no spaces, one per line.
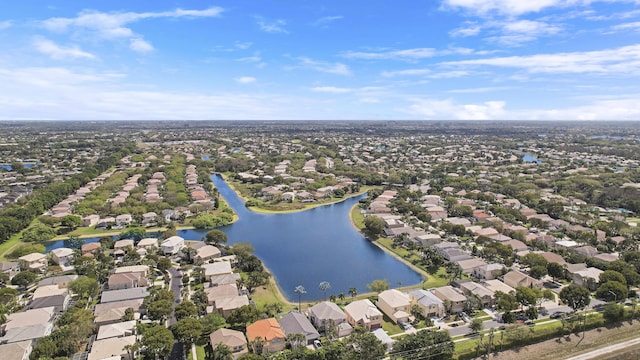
{"x":567,"y":346}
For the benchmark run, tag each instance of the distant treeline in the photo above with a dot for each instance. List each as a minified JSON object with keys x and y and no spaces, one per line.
{"x":18,"y":217}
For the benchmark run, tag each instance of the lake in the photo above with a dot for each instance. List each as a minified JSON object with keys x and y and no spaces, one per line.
{"x":308,"y":247}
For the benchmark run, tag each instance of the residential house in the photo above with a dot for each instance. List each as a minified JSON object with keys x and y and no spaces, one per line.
{"x":28,"y":325}
{"x":395,"y":304}
{"x":90,"y":249}
{"x":364,"y":314}
{"x":61,"y":281}
{"x":427,"y":240}
{"x":516,"y":279}
{"x":326,"y":314}
{"x":10,"y":268}
{"x":50,"y":296}
{"x":588,"y":251}
{"x":110,"y":313}
{"x":224,"y":279}
{"x":588,"y":277}
{"x":296,"y":323}
{"x":123,"y":245}
{"x":452,"y":299}
{"x":147,"y":243}
{"x":17,"y":351}
{"x":488,"y":271}
{"x":216,"y":268}
{"x":270,"y":331}
{"x":63,"y":256}
{"x":552,"y":257}
{"x":496,"y":285}
{"x":430,"y":305}
{"x":469,"y":265}
{"x":124,"y":294}
{"x":35,"y":262}
{"x":172,"y":245}
{"x":478,"y":291}
{"x":90,"y":220}
{"x":111,"y":348}
{"x":234,"y":340}
{"x":149,"y":219}
{"x":207,"y":252}
{"x":132,"y":268}
{"x":127,"y":280}
{"x":124,"y":220}
{"x":121,"y":329}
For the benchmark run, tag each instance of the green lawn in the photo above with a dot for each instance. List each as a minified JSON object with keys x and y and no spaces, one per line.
{"x":389,"y":326}
{"x":13,"y":241}
{"x":199,"y":353}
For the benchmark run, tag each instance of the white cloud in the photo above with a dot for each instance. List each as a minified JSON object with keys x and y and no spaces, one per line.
{"x":57,"y":52}
{"x":140,"y":45}
{"x":406,"y":54}
{"x":447,"y":109}
{"x":623,"y":60}
{"x":507,"y":7}
{"x":322,"y":66}
{"x":519,"y":31}
{"x":276,"y":26}
{"x":449,"y":74}
{"x":332,"y":89}
{"x":623,"y":108}
{"x":633,"y":26}
{"x":245,"y":80}
{"x":110,"y":26}
{"x":5,"y":24}
{"x":406,"y":72}
{"x":466,"y":31}
{"x":324,"y":21}
{"x":479,"y":90}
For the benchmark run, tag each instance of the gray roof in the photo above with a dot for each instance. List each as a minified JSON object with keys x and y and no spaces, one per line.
{"x":57,"y":280}
{"x":27,"y":333}
{"x":426,"y":298}
{"x":54,"y":300}
{"x":296,"y":323}
{"x":225,"y":279}
{"x":327,"y":310}
{"x":125,"y":294}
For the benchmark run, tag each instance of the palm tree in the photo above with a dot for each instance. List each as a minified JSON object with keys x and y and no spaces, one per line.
{"x":189,"y":253}
{"x":324,"y":286}
{"x":300,"y":290}
{"x":221,"y":352}
{"x":341,"y":296}
{"x":353,"y":292}
{"x":332,"y":298}
{"x":296,"y":340}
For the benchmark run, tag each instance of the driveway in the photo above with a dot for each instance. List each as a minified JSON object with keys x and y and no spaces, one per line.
{"x":176,"y":287}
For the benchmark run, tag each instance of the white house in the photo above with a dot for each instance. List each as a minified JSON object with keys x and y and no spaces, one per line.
{"x":172,"y":245}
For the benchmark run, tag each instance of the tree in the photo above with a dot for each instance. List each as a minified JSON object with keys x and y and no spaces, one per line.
{"x":24,"y":278}
{"x":362,"y":345}
{"x":71,"y":221}
{"x":527,"y":296}
{"x":216,"y":237}
{"x":38,"y":233}
{"x":612,"y":275}
{"x":613,"y":312}
{"x":221,"y":352}
{"x":353,"y":292}
{"x":185,"y":309}
{"x":555,"y":270}
{"x":164,"y":264}
{"x":538,"y":271}
{"x":476,"y":325}
{"x":187,"y":331}
{"x":85,"y":287}
{"x":373,"y":227}
{"x":575,"y":296}
{"x":612,"y":291}
{"x":300,"y":290}
{"x":296,"y":340}
{"x":212,"y":322}
{"x":160,"y":310}
{"x":453,"y":270}
{"x":378,"y":285}
{"x":433,"y":345}
{"x":158,"y":341}
{"x":324,"y":286}
{"x":129,"y":314}
{"x":189,"y":252}
{"x":243,"y":315}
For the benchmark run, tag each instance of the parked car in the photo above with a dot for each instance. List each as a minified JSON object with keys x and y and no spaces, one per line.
{"x":556,"y":315}
{"x":317,"y":344}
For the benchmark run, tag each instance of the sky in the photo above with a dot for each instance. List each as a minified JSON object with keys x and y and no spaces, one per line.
{"x":317,"y":60}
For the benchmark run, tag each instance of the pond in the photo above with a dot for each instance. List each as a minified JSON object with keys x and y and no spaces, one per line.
{"x":308,"y":247}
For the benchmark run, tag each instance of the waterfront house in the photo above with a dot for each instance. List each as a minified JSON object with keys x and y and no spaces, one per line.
{"x":216,"y":268}
{"x":207,"y":252}
{"x":395,"y":304}
{"x":90,"y":248}
{"x":63,"y":257}
{"x":147,"y":243}
{"x":326,"y":314}
{"x":35,"y":262}
{"x":124,"y":220}
{"x":270,"y":331}
{"x":90,"y":220}
{"x":363,"y":313}
{"x":234,"y":340}
{"x":172,"y":245}
{"x":296,"y":323}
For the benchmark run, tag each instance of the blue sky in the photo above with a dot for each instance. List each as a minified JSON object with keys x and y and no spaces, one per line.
{"x":298,"y":59}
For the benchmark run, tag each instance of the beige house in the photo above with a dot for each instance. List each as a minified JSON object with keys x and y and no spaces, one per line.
{"x":90,"y":248}
{"x":364,"y":314}
{"x":111,"y":348}
{"x":430,"y":305}
{"x":207,"y":253}
{"x":62,"y":256}
{"x":452,"y":299}
{"x":216,"y":268}
{"x":516,"y":278}
{"x":233,"y":339}
{"x":488,"y":271}
{"x":395,"y":304}
{"x":35,"y":262}
{"x":127,"y":280}
{"x":17,"y":350}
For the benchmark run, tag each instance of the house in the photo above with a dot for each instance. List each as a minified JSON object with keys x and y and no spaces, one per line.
{"x":90,"y":248}
{"x":111,"y":313}
{"x":123,"y":245}
{"x":207,"y":252}
{"x":488,"y":271}
{"x":326,"y":314}
{"x":296,"y":323}
{"x":111,"y":348}
{"x":552,"y":257}
{"x":588,"y":277}
{"x":149,"y":218}
{"x":124,"y":220}
{"x":451,"y":298}
{"x":133,"y":268}
{"x":17,"y":350}
{"x":364,"y":314}
{"x":216,"y":268}
{"x":395,"y":304}
{"x":496,"y":285}
{"x":469,"y":265}
{"x":437,"y":212}
{"x":9,"y":268}
{"x":484,"y":295}
{"x":127,"y":280}
{"x":121,"y":329}
{"x":516,"y":279}
{"x":224,"y":279}
{"x":28,"y":325}
{"x":62,"y":256}
{"x":147,"y":243}
{"x":35,"y":262}
{"x":430,"y":305}
{"x":270,"y":331}
{"x":50,"y":296}
{"x":427,"y":240}
{"x":588,"y":251}
{"x":172,"y":245}
{"x":124,"y":294}
{"x":90,"y":220}
{"x":224,"y":299}
{"x":234,"y":340}
{"x":60,"y":281}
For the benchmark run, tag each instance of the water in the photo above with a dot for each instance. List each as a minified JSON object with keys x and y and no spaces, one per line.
{"x":530,"y":159}
{"x":205,"y":158}
{"x":308,"y":247}
{"x":26,"y":166}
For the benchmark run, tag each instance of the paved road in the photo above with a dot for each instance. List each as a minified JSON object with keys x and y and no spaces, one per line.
{"x":176,"y":286}
{"x":465,"y":330}
{"x":605,"y":350}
